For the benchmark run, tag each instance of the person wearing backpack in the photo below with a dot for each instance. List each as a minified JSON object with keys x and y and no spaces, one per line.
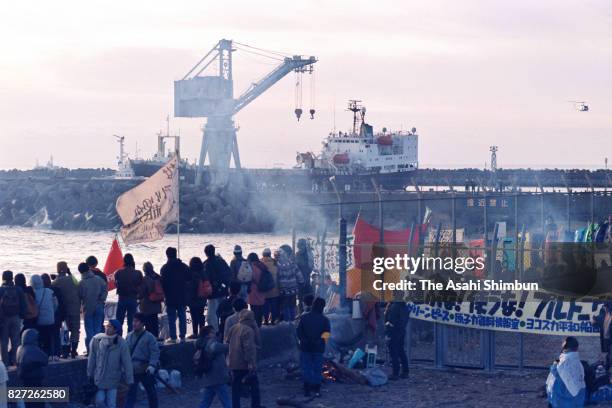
{"x":12,"y":308}
{"x":151,"y":295}
{"x":272,"y":305}
{"x":219,"y":274}
{"x":256,"y":297}
{"x":210,"y":364}
{"x":69,"y":291}
{"x":31,"y":314}
{"x":145,"y":359}
{"x":47,"y":305}
{"x":196,"y":302}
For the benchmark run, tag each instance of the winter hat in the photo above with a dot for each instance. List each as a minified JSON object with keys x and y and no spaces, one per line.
{"x":117,"y":325}
{"x":237,"y":249}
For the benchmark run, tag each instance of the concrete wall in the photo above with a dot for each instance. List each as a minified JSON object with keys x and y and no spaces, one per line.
{"x":278,"y":344}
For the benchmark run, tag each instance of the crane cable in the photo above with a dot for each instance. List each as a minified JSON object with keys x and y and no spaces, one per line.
{"x":280,"y":54}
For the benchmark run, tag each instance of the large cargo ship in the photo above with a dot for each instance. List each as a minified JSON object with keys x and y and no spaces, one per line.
{"x":353,"y":158}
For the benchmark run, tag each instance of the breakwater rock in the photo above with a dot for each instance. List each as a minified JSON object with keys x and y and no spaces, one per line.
{"x":90,"y":205}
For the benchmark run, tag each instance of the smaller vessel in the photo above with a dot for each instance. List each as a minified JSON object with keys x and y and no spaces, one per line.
{"x":124,"y":169}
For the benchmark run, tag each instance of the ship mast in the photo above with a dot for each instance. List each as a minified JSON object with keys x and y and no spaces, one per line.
{"x":355,"y":107}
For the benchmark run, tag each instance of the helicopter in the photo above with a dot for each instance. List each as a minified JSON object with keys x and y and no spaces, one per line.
{"x":581,"y":106}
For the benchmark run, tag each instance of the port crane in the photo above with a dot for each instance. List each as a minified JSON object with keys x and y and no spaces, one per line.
{"x":212,"y":97}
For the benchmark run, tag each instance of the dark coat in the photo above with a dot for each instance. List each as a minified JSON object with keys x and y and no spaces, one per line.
{"x":69,"y":294}
{"x":175,"y":277}
{"x":218,"y":373}
{"x":31,"y":360}
{"x":147,"y":287}
{"x":598,"y":323}
{"x":312,"y":325}
{"x":219,"y":273}
{"x":22,"y":302}
{"x":128,"y":280}
{"x":396,"y":319}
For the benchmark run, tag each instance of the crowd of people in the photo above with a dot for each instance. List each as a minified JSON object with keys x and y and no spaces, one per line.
{"x":227,"y":302}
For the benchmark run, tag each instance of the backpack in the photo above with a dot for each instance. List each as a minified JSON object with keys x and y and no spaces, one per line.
{"x":202,"y":361}
{"x":245,"y":273}
{"x":9,"y":302}
{"x":157,"y":295}
{"x":266,"y":281}
{"x":31,"y":307}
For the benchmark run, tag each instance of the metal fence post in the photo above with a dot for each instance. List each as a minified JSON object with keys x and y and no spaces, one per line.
{"x":487,"y":342}
{"x":342,"y":261}
{"x":439,"y":344}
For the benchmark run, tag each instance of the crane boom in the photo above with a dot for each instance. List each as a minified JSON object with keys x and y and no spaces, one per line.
{"x":257,"y":88}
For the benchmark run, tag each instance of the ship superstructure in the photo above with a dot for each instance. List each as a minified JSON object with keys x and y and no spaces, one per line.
{"x":362,"y":151}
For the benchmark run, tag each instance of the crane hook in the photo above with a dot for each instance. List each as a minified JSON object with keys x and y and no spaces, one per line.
{"x":298,"y":113}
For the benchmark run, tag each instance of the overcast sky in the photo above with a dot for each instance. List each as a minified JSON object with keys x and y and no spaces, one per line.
{"x":466,"y":74}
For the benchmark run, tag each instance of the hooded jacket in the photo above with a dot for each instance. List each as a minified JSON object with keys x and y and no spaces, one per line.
{"x":46,"y":301}
{"x":218,"y":373}
{"x":70,"y":294}
{"x":109,"y":361}
{"x":31,"y":360}
{"x":92,"y":291}
{"x":242,"y":342}
{"x":175,"y":276}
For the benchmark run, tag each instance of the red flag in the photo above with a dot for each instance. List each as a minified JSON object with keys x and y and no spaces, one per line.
{"x":366,"y":235}
{"x":114,"y":261}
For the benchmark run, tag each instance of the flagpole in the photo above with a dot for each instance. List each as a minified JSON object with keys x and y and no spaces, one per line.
{"x":178,"y":189}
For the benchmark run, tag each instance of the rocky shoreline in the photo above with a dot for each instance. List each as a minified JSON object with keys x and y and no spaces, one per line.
{"x":90,"y":205}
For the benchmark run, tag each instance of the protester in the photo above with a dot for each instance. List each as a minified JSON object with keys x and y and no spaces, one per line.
{"x":196,"y":303}
{"x":108,"y":363}
{"x":256,"y":299}
{"x":92,"y":293}
{"x":216,"y":378}
{"x":69,"y":293}
{"x":145,"y":359}
{"x":305,"y":263}
{"x":272,"y":305}
{"x":58,"y":318}
{"x":242,"y":358}
{"x":396,"y":319}
{"x":235,"y":265}
{"x":30,"y":316}
{"x":226,"y":307}
{"x":12,"y":308}
{"x":3,"y":382}
{"x":47,"y":304}
{"x":150,"y":294}
{"x":313,"y":331}
{"x":289,"y":277}
{"x":219,"y":273}
{"x":603,"y":322}
{"x":92,"y":264}
{"x":31,"y":363}
{"x":565,"y":386}
{"x":174,"y":277}
{"x":238,"y":306}
{"x":127,"y":280}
